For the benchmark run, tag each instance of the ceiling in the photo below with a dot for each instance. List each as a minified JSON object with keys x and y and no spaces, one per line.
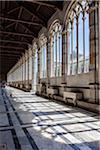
{"x":20,"y":23}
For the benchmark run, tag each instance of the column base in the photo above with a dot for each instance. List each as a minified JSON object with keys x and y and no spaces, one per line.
{"x":32,"y":92}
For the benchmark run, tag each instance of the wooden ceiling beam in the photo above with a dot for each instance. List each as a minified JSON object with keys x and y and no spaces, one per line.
{"x":25,"y":39}
{"x":26,"y":28}
{"x":35,"y":14}
{"x":21,"y":21}
{"x":11,"y":24}
{"x":7,"y":65}
{"x":14,"y":55}
{"x":12,"y":10}
{"x":38,"y":8}
{"x":25,"y":32}
{"x":8,"y":58}
{"x":31,"y":11}
{"x":44,"y":4}
{"x":19,"y":15}
{"x":11,"y":47}
{"x":17,"y":34}
{"x":11,"y":52}
{"x":16,"y":42}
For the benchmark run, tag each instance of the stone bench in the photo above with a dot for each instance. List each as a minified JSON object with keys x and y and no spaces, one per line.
{"x":73,"y":97}
{"x":51,"y":92}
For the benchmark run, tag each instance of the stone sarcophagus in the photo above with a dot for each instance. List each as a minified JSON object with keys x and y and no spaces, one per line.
{"x":72,"y":97}
{"x":52,"y":91}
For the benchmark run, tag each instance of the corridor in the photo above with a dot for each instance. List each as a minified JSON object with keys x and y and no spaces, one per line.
{"x":28,"y":122}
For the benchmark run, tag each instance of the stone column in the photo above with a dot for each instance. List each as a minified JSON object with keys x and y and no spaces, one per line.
{"x":25,"y":70}
{"x":22,"y":71}
{"x":48,"y":62}
{"x":23,"y":58}
{"x":97,"y":43}
{"x":38,"y":66}
{"x":16,"y":75}
{"x":18,"y":68}
{"x":94,"y":51}
{"x":97,"y":38}
{"x":99,"y":52}
{"x":28,"y":69}
{"x":32,"y":70}
{"x":38,"y":79}
{"x":64,"y":55}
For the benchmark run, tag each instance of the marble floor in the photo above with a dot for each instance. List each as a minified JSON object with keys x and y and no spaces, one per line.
{"x":29,"y":122}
